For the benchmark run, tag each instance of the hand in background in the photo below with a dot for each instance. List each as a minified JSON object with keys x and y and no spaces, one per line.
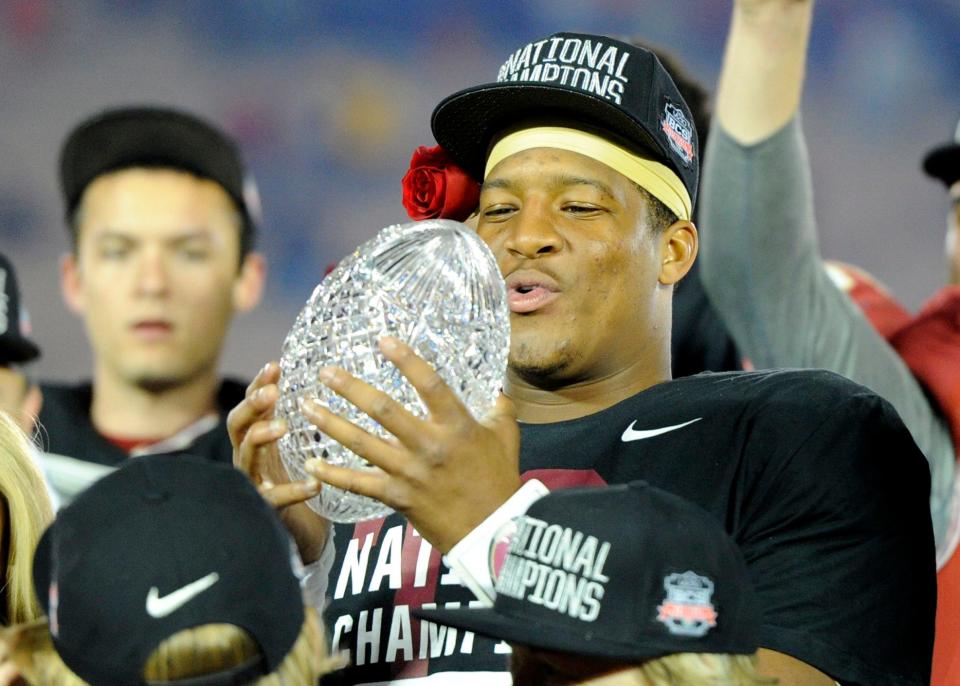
{"x":763,"y":67}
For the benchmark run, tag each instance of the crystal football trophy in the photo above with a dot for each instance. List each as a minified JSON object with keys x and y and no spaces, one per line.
{"x":432,"y":284}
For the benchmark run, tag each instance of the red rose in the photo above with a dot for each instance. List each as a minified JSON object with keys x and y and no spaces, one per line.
{"x":436,"y":188}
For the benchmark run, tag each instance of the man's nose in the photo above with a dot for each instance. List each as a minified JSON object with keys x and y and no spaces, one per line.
{"x":152,"y":276}
{"x":534,"y":233}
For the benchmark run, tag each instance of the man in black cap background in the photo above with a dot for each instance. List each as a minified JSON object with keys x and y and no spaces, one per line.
{"x":589,"y":164}
{"x":639,"y":587}
{"x":761,"y":239}
{"x":162,"y":217}
{"x":20,"y":397}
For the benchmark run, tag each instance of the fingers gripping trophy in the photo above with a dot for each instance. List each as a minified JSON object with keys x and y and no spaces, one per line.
{"x":432,"y":285}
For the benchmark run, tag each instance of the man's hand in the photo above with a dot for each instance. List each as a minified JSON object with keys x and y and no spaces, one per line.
{"x":445,"y":473}
{"x":763,"y":67}
{"x":254,"y":433}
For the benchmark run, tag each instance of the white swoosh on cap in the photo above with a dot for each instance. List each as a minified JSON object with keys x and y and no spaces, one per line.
{"x":159,"y":607}
{"x":631,"y":434}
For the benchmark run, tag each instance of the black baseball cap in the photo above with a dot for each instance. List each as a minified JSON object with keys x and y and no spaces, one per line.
{"x":163,"y":544}
{"x":156,"y":137}
{"x":628,"y":572}
{"x":15,"y":344}
{"x":943,"y":162}
{"x":618,"y":90}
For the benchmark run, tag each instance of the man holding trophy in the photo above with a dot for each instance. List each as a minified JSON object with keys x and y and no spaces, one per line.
{"x":589,"y":168}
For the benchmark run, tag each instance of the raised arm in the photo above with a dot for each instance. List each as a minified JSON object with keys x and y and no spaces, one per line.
{"x":763,"y":67}
{"x":760,"y":259}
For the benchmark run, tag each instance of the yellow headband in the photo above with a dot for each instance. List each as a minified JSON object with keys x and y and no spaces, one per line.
{"x":658,"y":179}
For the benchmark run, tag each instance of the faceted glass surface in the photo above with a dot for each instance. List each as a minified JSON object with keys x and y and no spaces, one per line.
{"x":433,"y":284}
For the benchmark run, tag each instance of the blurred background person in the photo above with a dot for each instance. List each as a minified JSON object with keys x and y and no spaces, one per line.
{"x":161,"y":215}
{"x":207,"y":591}
{"x":643,"y":588}
{"x":20,"y":396}
{"x":763,"y":269}
{"x":943,"y":163}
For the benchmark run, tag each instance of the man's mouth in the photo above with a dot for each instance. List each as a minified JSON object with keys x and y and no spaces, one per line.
{"x":152,"y":329}
{"x":528,"y":293}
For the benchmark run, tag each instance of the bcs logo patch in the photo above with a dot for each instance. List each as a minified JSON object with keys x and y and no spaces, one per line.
{"x":687,"y":609}
{"x":679,"y":132}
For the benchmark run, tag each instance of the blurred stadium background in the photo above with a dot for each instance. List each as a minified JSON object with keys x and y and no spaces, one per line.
{"x":329,"y":99}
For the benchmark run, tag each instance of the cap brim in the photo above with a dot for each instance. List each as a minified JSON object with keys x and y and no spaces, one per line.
{"x":521,"y":631}
{"x":944,"y":163}
{"x":465,"y":122}
{"x":18,"y":351}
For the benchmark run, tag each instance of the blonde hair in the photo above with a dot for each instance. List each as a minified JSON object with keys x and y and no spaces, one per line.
{"x":195,"y":652}
{"x":703,"y":669}
{"x":28,"y":513}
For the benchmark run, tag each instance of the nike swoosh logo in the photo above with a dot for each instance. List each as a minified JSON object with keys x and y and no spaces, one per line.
{"x":631,"y":434}
{"x":159,"y":607}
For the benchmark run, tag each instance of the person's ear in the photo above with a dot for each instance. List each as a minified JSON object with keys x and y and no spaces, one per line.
{"x":71,"y":286}
{"x":679,"y":243}
{"x":248,"y":286}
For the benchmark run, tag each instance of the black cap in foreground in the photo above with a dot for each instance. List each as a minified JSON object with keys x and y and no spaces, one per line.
{"x":15,"y":344}
{"x":628,"y":572}
{"x":943,"y":162}
{"x":163,"y":544}
{"x":155,"y":137}
{"x":581,"y":81}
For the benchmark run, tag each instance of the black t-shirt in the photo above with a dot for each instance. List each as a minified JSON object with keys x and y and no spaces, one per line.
{"x":815,"y":477}
{"x":68,"y":429}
